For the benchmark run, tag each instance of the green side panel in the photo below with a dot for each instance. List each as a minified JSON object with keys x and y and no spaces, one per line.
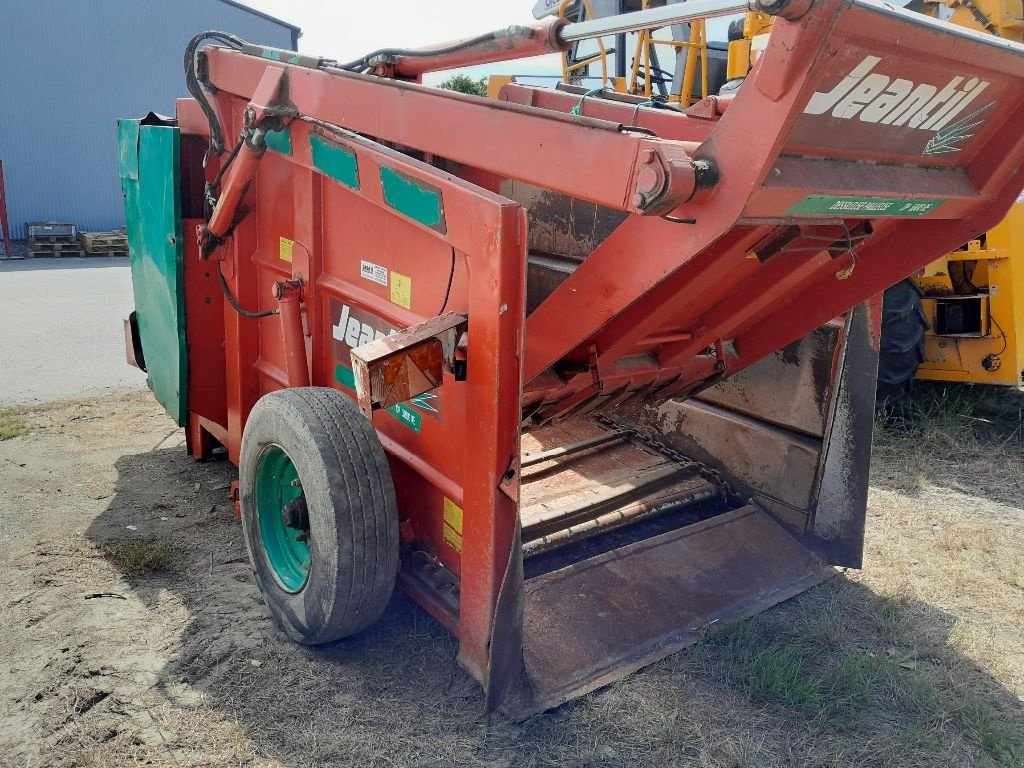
{"x":408,"y":416}
{"x":280,"y":141}
{"x":334,"y":161}
{"x":150,"y":181}
{"x":419,"y":201}
{"x":857,"y":204}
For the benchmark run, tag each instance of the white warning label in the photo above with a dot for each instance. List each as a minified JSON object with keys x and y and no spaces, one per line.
{"x":375,"y":273}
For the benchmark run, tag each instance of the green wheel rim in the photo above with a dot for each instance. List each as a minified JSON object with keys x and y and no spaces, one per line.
{"x":276,"y":485}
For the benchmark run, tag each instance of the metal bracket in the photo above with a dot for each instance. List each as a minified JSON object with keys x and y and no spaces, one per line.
{"x":397,"y":368}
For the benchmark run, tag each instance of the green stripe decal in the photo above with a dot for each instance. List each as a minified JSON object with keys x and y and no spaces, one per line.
{"x":277,"y":55}
{"x":344,"y":376}
{"x":416,"y":199}
{"x":280,"y":141}
{"x":857,"y":205}
{"x":408,"y":416}
{"x":334,"y":161}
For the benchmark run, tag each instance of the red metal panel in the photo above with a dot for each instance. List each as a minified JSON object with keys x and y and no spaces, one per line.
{"x":461,"y":448}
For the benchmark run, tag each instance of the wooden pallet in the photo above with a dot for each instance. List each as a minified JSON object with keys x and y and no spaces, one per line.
{"x":104,"y":243}
{"x":45,"y":240}
{"x":54,"y":249}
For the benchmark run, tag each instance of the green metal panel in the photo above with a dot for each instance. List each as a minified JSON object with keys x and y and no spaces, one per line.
{"x":280,"y":141}
{"x":416,"y":199}
{"x":150,"y":181}
{"x":334,"y":160}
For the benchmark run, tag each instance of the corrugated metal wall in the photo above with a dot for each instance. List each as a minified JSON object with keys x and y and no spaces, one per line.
{"x":69,"y":69}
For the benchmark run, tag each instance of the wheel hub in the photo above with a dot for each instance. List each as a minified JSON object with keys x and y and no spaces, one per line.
{"x":283,"y":518}
{"x":295,"y":515}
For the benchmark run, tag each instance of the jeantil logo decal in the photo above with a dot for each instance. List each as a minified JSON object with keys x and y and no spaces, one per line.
{"x":873,"y":97}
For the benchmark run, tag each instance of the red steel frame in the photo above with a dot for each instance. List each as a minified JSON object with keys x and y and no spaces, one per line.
{"x":660,"y":306}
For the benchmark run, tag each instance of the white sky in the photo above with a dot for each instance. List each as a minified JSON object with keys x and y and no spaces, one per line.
{"x":347,"y":29}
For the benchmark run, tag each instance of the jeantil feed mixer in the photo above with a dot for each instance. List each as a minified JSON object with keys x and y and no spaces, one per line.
{"x":583,"y":377}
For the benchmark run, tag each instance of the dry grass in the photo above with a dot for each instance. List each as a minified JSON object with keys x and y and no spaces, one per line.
{"x":964,"y":438}
{"x":915,"y":662}
{"x":142,"y":556}
{"x":12,"y":423}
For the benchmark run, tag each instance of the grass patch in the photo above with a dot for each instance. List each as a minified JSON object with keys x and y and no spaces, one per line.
{"x":11,"y":423}
{"x":953,"y":435}
{"x":837,"y":686}
{"x":996,"y":737}
{"x":860,"y":678}
{"x":144,"y":556}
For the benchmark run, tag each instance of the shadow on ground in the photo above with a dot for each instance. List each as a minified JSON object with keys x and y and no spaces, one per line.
{"x":837,"y":676}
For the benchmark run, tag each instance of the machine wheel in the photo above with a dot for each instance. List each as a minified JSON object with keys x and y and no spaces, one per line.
{"x":902,"y":345}
{"x":318,"y":512}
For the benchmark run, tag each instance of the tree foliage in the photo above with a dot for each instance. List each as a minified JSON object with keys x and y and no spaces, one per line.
{"x":465,"y":84}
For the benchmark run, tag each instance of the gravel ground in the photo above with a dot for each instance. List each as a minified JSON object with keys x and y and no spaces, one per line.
{"x":62,"y":328}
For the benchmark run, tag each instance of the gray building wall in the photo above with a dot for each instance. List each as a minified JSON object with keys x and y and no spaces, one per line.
{"x":69,"y":69}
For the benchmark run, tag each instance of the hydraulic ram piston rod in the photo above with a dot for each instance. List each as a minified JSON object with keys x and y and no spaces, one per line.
{"x":555,"y":35}
{"x":679,"y":13}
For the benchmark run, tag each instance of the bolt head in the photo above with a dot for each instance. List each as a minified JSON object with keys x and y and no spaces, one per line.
{"x":648,"y":181}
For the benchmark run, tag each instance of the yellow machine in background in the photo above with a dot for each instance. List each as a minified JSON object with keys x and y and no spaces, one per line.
{"x":962,"y":318}
{"x":974,"y":304}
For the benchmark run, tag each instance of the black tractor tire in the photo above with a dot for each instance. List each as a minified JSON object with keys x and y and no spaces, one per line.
{"x":901,"y":350}
{"x":350,"y":511}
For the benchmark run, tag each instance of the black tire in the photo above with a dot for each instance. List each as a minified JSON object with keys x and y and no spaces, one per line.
{"x":352,"y":515}
{"x":901,"y":350}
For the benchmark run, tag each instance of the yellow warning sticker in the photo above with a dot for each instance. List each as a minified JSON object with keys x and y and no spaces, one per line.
{"x":286,"y":249}
{"x":452,"y":531}
{"x":401,"y":290}
{"x":452,"y":539}
{"x":453,"y":515}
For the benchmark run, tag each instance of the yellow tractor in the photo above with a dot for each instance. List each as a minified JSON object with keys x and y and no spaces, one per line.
{"x":959,"y":318}
{"x":956,"y":320}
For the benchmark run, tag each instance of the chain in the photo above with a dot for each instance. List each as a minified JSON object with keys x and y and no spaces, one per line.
{"x":710,"y":474}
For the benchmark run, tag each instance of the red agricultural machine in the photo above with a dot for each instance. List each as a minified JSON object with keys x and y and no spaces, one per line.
{"x":587,"y":378}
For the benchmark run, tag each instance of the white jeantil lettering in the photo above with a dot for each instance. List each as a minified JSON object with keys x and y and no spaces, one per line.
{"x":862,"y":94}
{"x":877,"y":98}
{"x":822,"y":102}
{"x":355,"y":333}
{"x":917,"y":99}
{"x":944,"y":95}
{"x":959,"y":107}
{"x":893,"y":95}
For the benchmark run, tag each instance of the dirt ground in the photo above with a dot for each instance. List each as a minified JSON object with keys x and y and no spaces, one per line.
{"x":131,"y":632}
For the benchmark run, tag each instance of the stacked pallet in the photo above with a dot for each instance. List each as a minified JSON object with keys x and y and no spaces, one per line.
{"x":52,"y":238}
{"x":105,"y":243}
